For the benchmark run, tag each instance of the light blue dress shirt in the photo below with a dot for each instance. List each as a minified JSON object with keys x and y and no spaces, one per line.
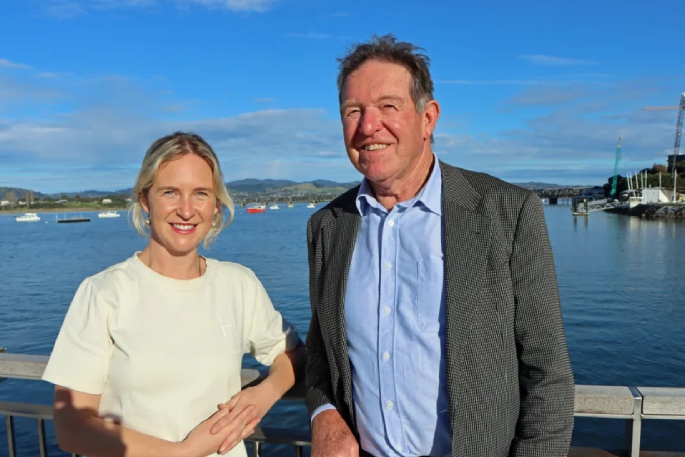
{"x":395,"y":318}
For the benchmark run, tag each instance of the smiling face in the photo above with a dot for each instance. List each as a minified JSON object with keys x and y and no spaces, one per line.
{"x":181,"y":204}
{"x":385,"y":136}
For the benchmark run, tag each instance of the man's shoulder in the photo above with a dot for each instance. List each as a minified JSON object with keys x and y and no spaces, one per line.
{"x":485,"y":184}
{"x":343,"y":203}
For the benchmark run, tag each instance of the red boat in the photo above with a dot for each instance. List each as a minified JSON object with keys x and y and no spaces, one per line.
{"x":256,"y":209}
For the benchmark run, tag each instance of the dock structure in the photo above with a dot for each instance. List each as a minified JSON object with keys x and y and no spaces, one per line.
{"x":631,"y":404}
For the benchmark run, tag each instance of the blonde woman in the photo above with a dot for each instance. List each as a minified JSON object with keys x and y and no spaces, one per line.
{"x":147,"y":362}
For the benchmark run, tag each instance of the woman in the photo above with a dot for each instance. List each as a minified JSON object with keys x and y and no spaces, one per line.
{"x":151,"y":348}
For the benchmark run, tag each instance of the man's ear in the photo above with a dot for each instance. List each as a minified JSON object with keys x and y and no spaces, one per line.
{"x":431,"y":113}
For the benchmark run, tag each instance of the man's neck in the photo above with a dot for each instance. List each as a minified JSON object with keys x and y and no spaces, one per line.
{"x":405,"y":189}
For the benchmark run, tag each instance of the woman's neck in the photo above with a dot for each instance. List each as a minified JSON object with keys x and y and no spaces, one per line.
{"x":159,"y":260}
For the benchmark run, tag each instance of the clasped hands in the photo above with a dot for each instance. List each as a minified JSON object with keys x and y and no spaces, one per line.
{"x":234,"y":421}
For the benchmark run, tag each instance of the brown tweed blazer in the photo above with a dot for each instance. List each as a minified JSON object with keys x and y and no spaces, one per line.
{"x":510,"y":384}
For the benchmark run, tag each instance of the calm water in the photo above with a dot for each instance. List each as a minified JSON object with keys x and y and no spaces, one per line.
{"x":621,"y":283}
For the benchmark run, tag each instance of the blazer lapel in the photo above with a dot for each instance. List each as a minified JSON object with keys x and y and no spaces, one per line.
{"x":343,"y":237}
{"x":466,"y":230}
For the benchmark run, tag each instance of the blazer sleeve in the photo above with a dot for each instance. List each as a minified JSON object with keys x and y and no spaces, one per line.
{"x":317,"y":372}
{"x":545,"y":377}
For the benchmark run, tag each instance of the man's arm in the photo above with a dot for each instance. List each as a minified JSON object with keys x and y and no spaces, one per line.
{"x":317,"y":371}
{"x":331,"y":437}
{"x":545,"y":376}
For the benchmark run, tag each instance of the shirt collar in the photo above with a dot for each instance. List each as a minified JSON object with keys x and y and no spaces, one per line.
{"x":430,"y":195}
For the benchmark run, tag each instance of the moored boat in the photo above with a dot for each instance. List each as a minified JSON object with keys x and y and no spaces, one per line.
{"x":108,"y":214}
{"x":28,"y":217}
{"x":256,"y":209}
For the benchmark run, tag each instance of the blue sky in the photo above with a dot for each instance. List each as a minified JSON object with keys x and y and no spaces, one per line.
{"x":530,"y":90}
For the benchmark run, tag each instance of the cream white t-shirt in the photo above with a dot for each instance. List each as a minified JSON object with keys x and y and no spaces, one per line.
{"x":162,"y":352}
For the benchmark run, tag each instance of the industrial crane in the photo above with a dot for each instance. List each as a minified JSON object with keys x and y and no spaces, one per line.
{"x":678,"y":134}
{"x":614,"y":182}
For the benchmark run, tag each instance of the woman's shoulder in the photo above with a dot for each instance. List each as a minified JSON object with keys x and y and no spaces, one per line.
{"x":122,"y":272}
{"x":231,"y":270}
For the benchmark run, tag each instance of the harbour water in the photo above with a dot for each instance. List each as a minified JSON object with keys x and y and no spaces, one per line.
{"x":621,"y":282}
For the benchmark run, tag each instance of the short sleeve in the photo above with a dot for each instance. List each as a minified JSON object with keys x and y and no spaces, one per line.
{"x":268,"y":334}
{"x":80,"y":357}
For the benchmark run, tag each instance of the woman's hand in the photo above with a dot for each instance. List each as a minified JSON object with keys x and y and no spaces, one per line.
{"x":261,"y":398}
{"x":201,"y":442}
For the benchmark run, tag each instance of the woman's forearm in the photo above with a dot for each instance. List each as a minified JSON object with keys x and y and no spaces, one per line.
{"x":286,"y":370}
{"x":96,"y":437}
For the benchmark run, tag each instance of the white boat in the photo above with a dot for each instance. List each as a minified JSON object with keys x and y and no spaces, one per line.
{"x":108,"y":214}
{"x":28,"y":217}
{"x":311,"y":205}
{"x":274,"y":206}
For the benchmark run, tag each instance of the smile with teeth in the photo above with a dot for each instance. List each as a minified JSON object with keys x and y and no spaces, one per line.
{"x":183,"y":227}
{"x":375,"y":146}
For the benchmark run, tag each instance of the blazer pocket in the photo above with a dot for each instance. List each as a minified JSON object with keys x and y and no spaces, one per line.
{"x":430,"y":286}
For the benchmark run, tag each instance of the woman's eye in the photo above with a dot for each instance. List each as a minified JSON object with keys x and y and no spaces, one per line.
{"x":168,"y":192}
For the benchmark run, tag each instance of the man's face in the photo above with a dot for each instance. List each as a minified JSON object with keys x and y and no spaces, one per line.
{"x":384,"y":135}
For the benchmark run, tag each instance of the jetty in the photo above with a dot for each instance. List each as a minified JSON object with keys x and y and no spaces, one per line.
{"x":631,"y":404}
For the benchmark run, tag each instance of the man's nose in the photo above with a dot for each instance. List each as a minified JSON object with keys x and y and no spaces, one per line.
{"x":370,"y":122}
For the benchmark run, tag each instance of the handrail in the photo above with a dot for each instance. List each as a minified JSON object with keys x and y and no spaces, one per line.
{"x":609,"y":402}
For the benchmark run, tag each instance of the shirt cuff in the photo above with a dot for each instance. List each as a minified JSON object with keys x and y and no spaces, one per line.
{"x":320,"y":409}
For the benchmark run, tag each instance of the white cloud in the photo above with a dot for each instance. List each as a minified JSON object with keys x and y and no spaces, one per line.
{"x":488,"y":82}
{"x":5,"y":63}
{"x":66,"y":9}
{"x":540,"y":59}
{"x":236,"y":5}
{"x":310,"y":35}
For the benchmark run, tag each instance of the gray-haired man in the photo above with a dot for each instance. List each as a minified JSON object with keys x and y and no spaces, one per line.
{"x":436,"y":325}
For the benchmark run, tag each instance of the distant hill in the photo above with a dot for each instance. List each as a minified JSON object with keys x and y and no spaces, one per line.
{"x":249,"y":185}
{"x":258,"y":185}
{"x":19,"y":193}
{"x":542,"y":185}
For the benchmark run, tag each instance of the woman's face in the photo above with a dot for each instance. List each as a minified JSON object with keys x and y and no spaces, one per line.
{"x":182,"y":204}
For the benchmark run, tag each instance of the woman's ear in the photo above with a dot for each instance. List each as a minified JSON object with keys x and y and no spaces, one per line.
{"x":144,"y":203}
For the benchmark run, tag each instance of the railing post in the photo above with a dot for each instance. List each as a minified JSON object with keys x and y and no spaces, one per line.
{"x":42,"y":444}
{"x":635,"y":426}
{"x":11,"y":442}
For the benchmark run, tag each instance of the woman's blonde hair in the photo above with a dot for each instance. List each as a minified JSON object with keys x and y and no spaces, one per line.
{"x":172,"y":147}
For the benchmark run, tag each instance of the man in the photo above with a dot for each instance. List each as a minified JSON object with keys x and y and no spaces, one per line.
{"x":436,"y":326}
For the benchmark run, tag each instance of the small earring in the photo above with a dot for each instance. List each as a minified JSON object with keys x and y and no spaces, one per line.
{"x":213,"y":223}
{"x":147,"y":221}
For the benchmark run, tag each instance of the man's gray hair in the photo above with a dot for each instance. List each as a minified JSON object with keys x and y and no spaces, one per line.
{"x":387,"y":49}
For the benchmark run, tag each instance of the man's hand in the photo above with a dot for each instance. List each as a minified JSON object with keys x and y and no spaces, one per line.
{"x":261,"y":398}
{"x":331,"y":437}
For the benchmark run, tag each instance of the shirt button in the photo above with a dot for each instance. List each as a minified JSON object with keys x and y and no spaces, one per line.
{"x":399,"y":447}
{"x":389,"y":404}
{"x":386,"y":355}
{"x":386,"y":310}
{"x":391,"y":223}
{"x":388,"y":265}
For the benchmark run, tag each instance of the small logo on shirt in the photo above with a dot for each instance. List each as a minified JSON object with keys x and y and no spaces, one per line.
{"x":234,"y":334}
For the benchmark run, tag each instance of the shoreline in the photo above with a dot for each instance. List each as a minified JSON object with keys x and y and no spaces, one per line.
{"x":61,"y":210}
{"x":652,"y":211}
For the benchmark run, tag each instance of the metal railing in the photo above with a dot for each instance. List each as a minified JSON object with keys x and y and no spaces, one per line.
{"x":633,"y":404}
